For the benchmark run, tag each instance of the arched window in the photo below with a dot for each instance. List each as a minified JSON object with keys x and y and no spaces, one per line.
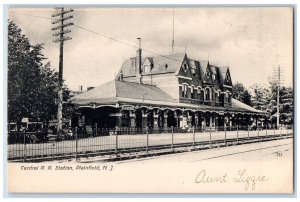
{"x":207,"y":94}
{"x":199,"y":93}
{"x":184,"y":90}
{"x":202,"y":97}
{"x":226,"y":98}
{"x":192,"y":92}
{"x":217,"y":96}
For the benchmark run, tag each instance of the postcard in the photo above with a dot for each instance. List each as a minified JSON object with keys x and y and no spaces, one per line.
{"x":150,"y":99}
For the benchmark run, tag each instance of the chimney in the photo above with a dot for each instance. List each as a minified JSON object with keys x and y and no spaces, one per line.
{"x":138,"y":63}
{"x":80,"y":88}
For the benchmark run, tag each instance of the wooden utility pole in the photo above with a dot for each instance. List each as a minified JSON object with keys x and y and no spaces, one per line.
{"x":277,"y":79}
{"x":61,"y":18}
{"x":278,"y":90}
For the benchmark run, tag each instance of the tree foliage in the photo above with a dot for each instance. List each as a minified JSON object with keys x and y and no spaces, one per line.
{"x":260,"y":97}
{"x":286,"y":104}
{"x":240,"y":93}
{"x":32,"y":86}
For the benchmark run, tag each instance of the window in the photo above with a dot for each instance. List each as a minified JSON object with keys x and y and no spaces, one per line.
{"x":184,"y":90}
{"x":226,"y":97}
{"x":185,"y":67}
{"x":202,"y":95}
{"x":199,"y":93}
{"x":208,"y":74}
{"x":227,"y":79}
{"x":214,"y":77}
{"x":192,"y":93}
{"x":133,"y":61}
{"x":166,"y":66}
{"x":194,"y":72}
{"x":147,"y":69}
{"x":207,"y":95}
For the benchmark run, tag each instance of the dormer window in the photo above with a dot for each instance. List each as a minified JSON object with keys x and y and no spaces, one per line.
{"x":132,"y":62}
{"x":194,"y":72}
{"x":227,"y":78}
{"x":214,"y":77}
{"x":185,"y":67}
{"x":147,"y":69}
{"x":208,"y":74}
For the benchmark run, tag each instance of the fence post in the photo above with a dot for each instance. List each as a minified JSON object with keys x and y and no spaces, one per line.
{"x":210,"y":139}
{"x":266,"y":130}
{"x":280,"y":133}
{"x":172,"y":146}
{"x":147,"y":133}
{"x":194,"y":137}
{"x":225,"y":136}
{"x":257,"y":134}
{"x":96,"y":127}
{"x":248,"y":134}
{"x":274,"y":132}
{"x":116,"y":134}
{"x":24,"y":143}
{"x":237,"y":134}
{"x":76,"y":143}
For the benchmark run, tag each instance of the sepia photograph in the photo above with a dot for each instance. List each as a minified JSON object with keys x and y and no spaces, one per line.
{"x":185,"y":99}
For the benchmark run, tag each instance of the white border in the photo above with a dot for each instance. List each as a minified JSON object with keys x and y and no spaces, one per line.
{"x":145,"y":2}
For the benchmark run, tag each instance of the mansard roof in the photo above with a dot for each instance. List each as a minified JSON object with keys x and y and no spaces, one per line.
{"x":172,"y":64}
{"x":159,"y":63}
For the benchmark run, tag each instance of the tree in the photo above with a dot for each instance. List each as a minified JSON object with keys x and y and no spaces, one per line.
{"x":23,"y":70}
{"x":240,"y":93}
{"x":260,"y":97}
{"x":286,"y":104}
{"x":32,"y":86}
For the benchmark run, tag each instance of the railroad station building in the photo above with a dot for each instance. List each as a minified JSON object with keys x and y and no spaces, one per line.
{"x":164,"y":91}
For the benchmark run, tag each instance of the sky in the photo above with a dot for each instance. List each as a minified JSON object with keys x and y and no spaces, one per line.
{"x":251,"y":41}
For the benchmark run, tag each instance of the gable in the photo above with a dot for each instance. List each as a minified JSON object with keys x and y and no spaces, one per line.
{"x":227,"y":79}
{"x":147,"y":65}
{"x":185,"y":69}
{"x":208,"y":74}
